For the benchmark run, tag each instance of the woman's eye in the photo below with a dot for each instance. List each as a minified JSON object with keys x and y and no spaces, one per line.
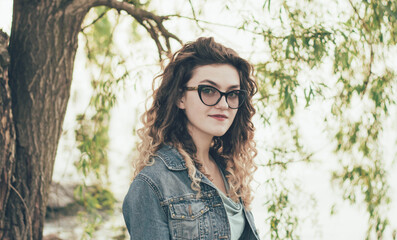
{"x":233,"y":94}
{"x":208,"y":90}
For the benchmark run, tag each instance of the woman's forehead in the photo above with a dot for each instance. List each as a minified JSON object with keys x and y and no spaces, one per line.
{"x":219,"y":75}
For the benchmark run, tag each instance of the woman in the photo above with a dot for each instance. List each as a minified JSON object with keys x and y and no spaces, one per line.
{"x":196,"y":155}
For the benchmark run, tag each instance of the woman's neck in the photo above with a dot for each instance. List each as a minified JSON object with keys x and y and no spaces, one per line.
{"x":203,"y":144}
{"x":203,"y":150}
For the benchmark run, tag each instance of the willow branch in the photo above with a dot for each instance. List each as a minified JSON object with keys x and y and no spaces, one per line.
{"x":213,"y":23}
{"x":368,"y":78}
{"x":285,"y":163}
{"x":194,"y":16}
{"x":365,"y":26}
{"x":96,"y":20}
{"x":151,"y":22}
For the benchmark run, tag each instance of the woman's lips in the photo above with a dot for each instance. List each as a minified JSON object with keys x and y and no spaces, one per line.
{"x":219,"y":117}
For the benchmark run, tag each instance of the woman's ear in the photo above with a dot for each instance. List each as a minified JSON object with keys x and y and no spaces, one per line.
{"x":181,"y":102}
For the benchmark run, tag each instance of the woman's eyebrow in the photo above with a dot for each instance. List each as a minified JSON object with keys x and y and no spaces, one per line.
{"x":217,"y":86}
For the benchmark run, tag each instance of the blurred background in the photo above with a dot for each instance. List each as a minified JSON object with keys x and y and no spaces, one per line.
{"x":326,"y":113}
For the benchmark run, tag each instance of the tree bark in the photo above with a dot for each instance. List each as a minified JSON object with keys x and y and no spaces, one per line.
{"x":43,"y":45}
{"x":7,"y":131}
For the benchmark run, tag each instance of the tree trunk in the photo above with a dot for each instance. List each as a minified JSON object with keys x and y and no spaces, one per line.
{"x":43,"y":45}
{"x":7,"y":131}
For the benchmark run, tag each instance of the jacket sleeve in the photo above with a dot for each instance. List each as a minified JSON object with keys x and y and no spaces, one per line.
{"x":143,"y":214}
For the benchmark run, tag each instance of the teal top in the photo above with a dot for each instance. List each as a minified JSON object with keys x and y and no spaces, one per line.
{"x":234,"y":212}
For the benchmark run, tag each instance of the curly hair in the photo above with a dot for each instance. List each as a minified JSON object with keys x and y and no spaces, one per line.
{"x":165,"y":124}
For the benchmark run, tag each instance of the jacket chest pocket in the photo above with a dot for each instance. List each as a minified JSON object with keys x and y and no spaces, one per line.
{"x":188,"y":219}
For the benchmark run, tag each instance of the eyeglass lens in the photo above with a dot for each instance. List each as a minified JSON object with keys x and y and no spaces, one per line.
{"x":211,"y":96}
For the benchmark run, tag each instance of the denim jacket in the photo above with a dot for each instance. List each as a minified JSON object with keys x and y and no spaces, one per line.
{"x":160,"y":204}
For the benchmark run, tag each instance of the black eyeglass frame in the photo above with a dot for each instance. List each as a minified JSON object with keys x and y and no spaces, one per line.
{"x":199,"y":88}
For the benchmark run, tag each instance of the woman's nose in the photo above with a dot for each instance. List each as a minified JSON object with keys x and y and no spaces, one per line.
{"x":222,"y":103}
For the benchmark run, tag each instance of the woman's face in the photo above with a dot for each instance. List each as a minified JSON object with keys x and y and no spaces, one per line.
{"x":209,"y":121}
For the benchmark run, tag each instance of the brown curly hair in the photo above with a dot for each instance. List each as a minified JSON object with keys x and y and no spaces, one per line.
{"x":165,"y":124}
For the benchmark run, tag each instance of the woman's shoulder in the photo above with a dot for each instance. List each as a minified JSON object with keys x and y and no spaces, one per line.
{"x":165,"y":159}
{"x":167,"y":176}
{"x":171,"y":158}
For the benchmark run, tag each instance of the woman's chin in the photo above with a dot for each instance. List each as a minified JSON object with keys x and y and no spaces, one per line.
{"x":219,"y":134}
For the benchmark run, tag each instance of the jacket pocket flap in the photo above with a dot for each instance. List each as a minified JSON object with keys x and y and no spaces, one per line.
{"x":188,"y":210}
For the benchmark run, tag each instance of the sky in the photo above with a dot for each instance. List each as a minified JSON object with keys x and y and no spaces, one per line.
{"x":5,"y":15}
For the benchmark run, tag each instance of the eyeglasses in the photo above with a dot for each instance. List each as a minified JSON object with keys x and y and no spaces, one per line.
{"x":210,"y":96}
